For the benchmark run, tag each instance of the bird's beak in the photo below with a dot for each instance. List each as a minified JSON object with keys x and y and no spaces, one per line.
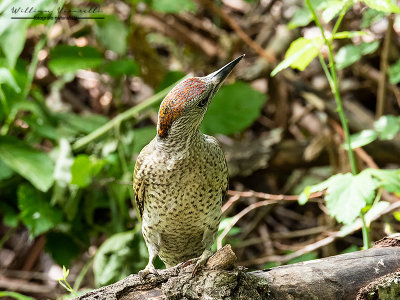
{"x":219,"y":76}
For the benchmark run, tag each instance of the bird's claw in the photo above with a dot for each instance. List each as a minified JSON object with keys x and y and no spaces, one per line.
{"x":148,"y":270}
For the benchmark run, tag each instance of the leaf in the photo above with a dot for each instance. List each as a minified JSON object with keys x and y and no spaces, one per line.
{"x":7,"y":78}
{"x":234,"y":108}
{"x":120,"y":255}
{"x":305,"y":257}
{"x":371,"y":16}
{"x":5,"y":171}
{"x":36,"y":212}
{"x":82,"y":123}
{"x":387,"y":127}
{"x":62,"y":255}
{"x":67,"y":59}
{"x":347,"y":194}
{"x":142,"y":136}
{"x":10,"y":215}
{"x":299,"y":55}
{"x":174,"y":6}
{"x":13,"y":32}
{"x":302,"y":17}
{"x":112,"y":33}
{"x":84,"y":168}
{"x":332,"y":10}
{"x":62,"y":155}
{"x":394,"y":73}
{"x":169,"y":78}
{"x":362,"y":138}
{"x":15,"y":295}
{"x":35,"y":166}
{"x":12,"y":38}
{"x":349,"y":54}
{"x":121,"y":67}
{"x":383,"y":5}
{"x":396,"y":215}
{"x":388,"y":179}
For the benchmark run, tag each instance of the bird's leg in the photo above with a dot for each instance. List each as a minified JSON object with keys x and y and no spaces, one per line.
{"x":150,"y":269}
{"x":202,"y":260}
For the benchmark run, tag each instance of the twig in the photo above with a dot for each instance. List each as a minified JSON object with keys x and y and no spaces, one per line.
{"x":237,"y":217}
{"x":360,"y":151}
{"x":267,"y":196}
{"x":130,"y":113}
{"x":239,"y":31}
{"x":321,"y":243}
{"x":381,"y":97}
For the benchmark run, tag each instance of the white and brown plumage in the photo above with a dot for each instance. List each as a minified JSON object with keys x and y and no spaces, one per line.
{"x":181,"y":176}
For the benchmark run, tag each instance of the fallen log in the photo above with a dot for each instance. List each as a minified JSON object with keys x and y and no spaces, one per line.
{"x":332,"y":278}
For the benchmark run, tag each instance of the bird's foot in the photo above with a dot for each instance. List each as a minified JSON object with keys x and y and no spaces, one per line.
{"x":187,"y":263}
{"x":201,"y":261}
{"x":148,"y":270}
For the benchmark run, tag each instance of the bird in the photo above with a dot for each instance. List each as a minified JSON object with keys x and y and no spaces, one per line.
{"x":181,"y":177}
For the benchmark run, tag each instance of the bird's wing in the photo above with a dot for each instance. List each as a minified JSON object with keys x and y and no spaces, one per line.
{"x":139,"y":179}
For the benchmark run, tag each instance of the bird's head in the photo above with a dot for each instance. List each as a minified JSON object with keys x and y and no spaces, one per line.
{"x":183,"y":109}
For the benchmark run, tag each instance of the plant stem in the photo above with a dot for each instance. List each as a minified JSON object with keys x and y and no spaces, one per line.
{"x":335,"y":87}
{"x":130,"y":113}
{"x":365,"y":232}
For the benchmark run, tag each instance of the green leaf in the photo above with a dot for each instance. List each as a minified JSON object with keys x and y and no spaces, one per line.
{"x":371,"y":16}
{"x":112,"y":33}
{"x":5,"y":171}
{"x":36,"y":212}
{"x":305,"y":257}
{"x":13,"y":32}
{"x":362,"y":138}
{"x":62,"y":255}
{"x":174,"y":6}
{"x":35,"y":166}
{"x":169,"y":78}
{"x":349,"y":54}
{"x":121,"y":67}
{"x":302,"y":17}
{"x":383,"y":5}
{"x":396,"y":215}
{"x":142,"y":136}
{"x":299,"y":55}
{"x":120,"y":255}
{"x":388,"y":179}
{"x":7,"y":78}
{"x":10,"y":215}
{"x":347,"y":194}
{"x":332,"y":10}
{"x":67,"y":59}
{"x":62,"y":155}
{"x":234,"y":108}
{"x":84,"y":168}
{"x":82,"y":123}
{"x":15,"y":295}
{"x":394,"y":73}
{"x":387,"y":127}
{"x":12,"y":38}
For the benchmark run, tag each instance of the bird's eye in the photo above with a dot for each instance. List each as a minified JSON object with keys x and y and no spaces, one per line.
{"x":203,"y":102}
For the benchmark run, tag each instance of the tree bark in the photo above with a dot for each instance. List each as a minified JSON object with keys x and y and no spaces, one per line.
{"x":332,"y":278}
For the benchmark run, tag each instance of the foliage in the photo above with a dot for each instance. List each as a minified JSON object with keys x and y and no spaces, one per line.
{"x":67,"y":173}
{"x":15,"y":295}
{"x":229,"y":112}
{"x":64,"y":283}
{"x":385,"y":128}
{"x":348,"y":196}
{"x":361,"y":188}
{"x":122,"y":254}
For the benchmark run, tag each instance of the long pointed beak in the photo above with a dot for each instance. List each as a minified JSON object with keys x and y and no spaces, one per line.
{"x":219,"y":76}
